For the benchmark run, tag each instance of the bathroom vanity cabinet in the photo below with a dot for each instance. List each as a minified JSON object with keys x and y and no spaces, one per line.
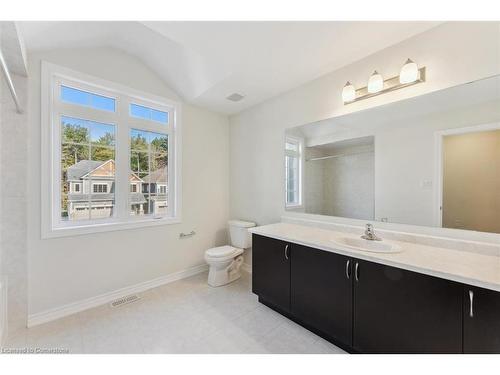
{"x":481,"y":320}
{"x":398,"y":311}
{"x":367,"y":307}
{"x":314,"y":275}
{"x":272,"y":265}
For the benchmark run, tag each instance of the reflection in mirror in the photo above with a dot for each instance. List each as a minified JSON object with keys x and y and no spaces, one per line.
{"x":471,"y":181}
{"x":432,"y":160}
{"x":339,"y":178}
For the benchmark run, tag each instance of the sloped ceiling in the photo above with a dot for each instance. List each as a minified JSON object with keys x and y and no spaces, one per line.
{"x":204,"y":62}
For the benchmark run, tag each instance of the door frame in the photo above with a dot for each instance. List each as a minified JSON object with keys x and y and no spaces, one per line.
{"x":439,"y":135}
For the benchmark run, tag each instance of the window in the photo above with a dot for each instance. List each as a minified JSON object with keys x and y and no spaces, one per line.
{"x":148,"y":113}
{"x":88,"y":99}
{"x":99,"y":138}
{"x":148,"y":161}
{"x":87,"y":155}
{"x":100,"y":188}
{"x":293,"y":172}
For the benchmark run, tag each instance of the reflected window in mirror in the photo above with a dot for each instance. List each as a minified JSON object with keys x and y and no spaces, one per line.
{"x":293,"y":172}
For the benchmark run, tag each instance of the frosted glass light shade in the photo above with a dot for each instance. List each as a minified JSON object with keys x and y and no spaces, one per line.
{"x":409,"y":72}
{"x":375,"y":83}
{"x":348,"y":92}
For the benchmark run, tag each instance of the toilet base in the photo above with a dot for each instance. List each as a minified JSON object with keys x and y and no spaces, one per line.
{"x":223,"y":274}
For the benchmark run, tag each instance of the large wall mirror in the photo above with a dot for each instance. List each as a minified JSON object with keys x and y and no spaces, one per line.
{"x":432,"y":160}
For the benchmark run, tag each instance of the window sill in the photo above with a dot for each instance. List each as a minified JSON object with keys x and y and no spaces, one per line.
{"x":294,"y":206}
{"x":76,"y":230}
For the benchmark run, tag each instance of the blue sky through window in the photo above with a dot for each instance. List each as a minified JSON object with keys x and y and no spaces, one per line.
{"x":87,"y":99}
{"x":148,"y":113}
{"x":98,"y":130}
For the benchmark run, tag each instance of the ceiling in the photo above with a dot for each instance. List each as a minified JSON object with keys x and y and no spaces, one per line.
{"x":204,"y":62}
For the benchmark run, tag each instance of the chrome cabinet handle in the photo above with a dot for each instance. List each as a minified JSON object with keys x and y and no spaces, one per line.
{"x":356,"y":272}
{"x":347,"y":269}
{"x":471,"y":300}
{"x":286,"y":251}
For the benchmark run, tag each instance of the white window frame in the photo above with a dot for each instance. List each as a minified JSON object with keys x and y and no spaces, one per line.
{"x":52,"y":76}
{"x":299,"y":154}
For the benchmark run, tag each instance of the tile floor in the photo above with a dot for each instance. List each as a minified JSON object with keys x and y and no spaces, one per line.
{"x":186,"y":316}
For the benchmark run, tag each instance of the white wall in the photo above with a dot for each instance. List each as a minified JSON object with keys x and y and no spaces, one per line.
{"x":3,"y":322}
{"x":70,"y":269}
{"x":13,"y":172}
{"x":454,"y":53}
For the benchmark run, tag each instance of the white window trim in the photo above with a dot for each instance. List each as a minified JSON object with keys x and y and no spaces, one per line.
{"x":300,"y":144}
{"x":51,"y":225}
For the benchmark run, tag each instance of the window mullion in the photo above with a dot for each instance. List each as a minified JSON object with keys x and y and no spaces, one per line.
{"x":122,"y":182}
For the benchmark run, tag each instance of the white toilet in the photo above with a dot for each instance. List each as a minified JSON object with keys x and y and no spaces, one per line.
{"x":225,"y":261}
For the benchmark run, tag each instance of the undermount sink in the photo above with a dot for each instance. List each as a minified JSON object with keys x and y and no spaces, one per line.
{"x":367,"y":245}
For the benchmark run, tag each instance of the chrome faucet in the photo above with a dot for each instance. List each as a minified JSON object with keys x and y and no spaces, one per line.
{"x":370,"y":234}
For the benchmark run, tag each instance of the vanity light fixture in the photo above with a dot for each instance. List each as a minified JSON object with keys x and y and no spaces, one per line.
{"x":348,"y":92}
{"x":409,"y":72}
{"x":375,"y":83}
{"x":409,"y":75}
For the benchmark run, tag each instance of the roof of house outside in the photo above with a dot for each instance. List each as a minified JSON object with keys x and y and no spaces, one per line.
{"x":83,"y":167}
{"x":79,"y":170}
{"x":160,"y":175}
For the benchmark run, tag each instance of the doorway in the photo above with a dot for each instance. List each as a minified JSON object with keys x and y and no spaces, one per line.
{"x":469,"y":176}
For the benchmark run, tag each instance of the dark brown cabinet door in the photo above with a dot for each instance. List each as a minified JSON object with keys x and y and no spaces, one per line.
{"x":398,"y":311}
{"x":271,"y":271}
{"x":481,"y":320}
{"x":321,"y":292}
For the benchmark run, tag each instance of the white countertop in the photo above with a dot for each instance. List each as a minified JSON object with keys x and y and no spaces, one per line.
{"x":462,"y":266}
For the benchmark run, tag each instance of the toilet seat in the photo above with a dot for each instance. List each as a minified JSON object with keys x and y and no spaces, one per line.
{"x":222,"y":253}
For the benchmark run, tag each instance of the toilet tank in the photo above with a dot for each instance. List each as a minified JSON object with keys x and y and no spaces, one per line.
{"x":240,"y":236}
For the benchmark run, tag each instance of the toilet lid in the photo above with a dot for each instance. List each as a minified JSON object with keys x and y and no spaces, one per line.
{"x":221,"y":251}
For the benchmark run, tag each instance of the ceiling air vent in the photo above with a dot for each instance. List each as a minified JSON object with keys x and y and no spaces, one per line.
{"x":235,"y":97}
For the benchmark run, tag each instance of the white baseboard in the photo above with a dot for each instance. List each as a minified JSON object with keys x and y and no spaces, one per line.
{"x":75,"y":307}
{"x":246,"y":267}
